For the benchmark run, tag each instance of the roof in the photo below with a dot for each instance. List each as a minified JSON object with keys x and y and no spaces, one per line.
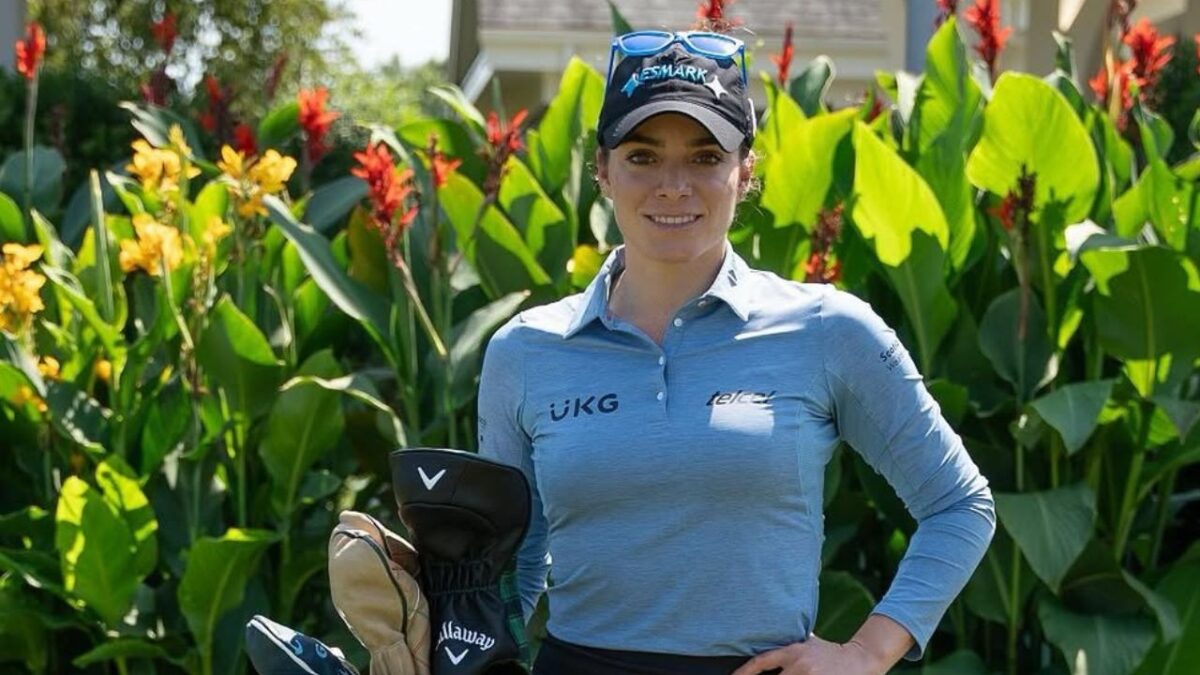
{"x":824,"y":18}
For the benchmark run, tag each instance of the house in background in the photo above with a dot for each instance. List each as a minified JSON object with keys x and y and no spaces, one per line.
{"x":524,"y":45}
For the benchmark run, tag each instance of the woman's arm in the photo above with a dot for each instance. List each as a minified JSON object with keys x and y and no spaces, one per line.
{"x":884,"y":411}
{"x":503,"y":437}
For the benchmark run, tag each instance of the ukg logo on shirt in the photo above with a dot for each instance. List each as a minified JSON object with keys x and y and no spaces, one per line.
{"x":590,"y":405}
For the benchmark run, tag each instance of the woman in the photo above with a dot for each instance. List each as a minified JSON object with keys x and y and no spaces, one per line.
{"x":675,"y":418}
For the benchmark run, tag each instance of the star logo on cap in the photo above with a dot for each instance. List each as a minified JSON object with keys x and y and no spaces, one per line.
{"x":716,"y":87}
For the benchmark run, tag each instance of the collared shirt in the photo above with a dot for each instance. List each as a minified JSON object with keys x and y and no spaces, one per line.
{"x":678,"y":489}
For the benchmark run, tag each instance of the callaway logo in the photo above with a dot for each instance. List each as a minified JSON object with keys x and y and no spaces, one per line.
{"x":739,"y":396}
{"x":455,"y":633}
{"x":672,"y":72}
{"x":430,"y":482}
{"x":604,"y":404}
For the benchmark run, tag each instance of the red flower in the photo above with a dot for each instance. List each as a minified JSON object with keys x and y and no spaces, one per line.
{"x":1149,"y":52}
{"x":946,"y":9}
{"x":243,"y":140}
{"x":505,"y":136}
{"x":440,"y":167}
{"x":828,"y":230}
{"x":386,"y":189}
{"x":217,"y":118}
{"x":710,"y":16}
{"x":876,"y":107}
{"x":315,"y":120}
{"x":30,"y":50}
{"x":215,"y":94}
{"x":155,"y":91}
{"x":165,"y":32}
{"x":1006,"y":213}
{"x":783,"y":60}
{"x":984,"y":17}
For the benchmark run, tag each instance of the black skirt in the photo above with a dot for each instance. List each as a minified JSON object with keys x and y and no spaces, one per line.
{"x":564,"y":658}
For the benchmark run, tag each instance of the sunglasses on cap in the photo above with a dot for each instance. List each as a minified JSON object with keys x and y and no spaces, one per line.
{"x":648,"y":42}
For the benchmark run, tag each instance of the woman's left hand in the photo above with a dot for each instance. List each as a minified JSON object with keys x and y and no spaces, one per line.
{"x":814,"y":656}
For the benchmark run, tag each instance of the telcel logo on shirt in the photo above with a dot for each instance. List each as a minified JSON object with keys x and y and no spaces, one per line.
{"x":739,"y":396}
{"x":585,"y":406}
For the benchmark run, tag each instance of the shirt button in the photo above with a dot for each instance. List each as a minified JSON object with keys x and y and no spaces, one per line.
{"x":662,"y":360}
{"x":678,"y":323}
{"x":659,"y":396}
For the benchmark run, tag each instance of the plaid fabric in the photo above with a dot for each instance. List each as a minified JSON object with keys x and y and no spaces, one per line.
{"x":513,"y":614}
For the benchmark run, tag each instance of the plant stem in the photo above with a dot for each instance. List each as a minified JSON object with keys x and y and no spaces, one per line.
{"x":1014,"y":588}
{"x":1165,"y":488}
{"x":30,"y":112}
{"x":1128,"y":501}
{"x":1055,"y":451}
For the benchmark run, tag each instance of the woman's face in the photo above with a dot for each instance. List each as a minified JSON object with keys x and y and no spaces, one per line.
{"x":673,"y":188}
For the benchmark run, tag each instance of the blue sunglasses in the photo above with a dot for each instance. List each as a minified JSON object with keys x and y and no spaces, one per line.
{"x":648,"y":42}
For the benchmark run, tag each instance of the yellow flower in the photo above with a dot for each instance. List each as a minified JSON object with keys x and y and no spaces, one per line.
{"x":26,"y":395}
{"x":159,"y":170}
{"x":20,"y":287}
{"x":232,"y":163}
{"x":102,"y":369}
{"x":252,"y":180}
{"x":272,"y":171}
{"x":48,"y":367}
{"x":155,"y":244}
{"x":178,"y":142}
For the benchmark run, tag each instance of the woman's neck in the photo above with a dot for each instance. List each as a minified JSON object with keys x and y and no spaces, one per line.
{"x":649,"y":292}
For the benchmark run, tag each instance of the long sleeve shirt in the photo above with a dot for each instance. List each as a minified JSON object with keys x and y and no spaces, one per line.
{"x":677,"y":488}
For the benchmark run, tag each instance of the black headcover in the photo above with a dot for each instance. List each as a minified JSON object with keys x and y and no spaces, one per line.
{"x":466,"y":517}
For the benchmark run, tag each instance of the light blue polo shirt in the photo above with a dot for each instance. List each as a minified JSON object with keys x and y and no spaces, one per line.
{"x":678,"y":489}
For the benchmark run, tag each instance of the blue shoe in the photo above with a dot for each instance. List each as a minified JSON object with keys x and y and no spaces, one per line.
{"x":275,"y":649}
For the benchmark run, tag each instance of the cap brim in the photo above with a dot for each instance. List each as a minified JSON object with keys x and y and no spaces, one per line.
{"x":728,"y":136}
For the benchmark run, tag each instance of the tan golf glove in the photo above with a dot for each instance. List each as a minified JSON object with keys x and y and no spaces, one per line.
{"x":372,"y":576}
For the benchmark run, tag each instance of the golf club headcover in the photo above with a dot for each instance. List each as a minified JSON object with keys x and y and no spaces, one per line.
{"x":372,"y":578}
{"x":275,"y":649}
{"x":467,"y":516}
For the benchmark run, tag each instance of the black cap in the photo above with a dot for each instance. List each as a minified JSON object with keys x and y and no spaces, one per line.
{"x":708,"y":90}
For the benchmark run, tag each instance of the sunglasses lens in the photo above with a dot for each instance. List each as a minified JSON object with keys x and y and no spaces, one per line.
{"x":636,"y":43}
{"x":715,"y":45}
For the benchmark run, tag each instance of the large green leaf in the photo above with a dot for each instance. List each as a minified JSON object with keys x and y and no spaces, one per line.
{"x":1024,"y":363}
{"x":1050,"y":527}
{"x":1074,"y":410}
{"x":458,"y":102}
{"x":489,"y":241}
{"x":942,"y":165}
{"x":1163,"y":199}
{"x":96,"y":550}
{"x":897,"y":213}
{"x":1030,"y":126}
{"x":332,"y":201}
{"x":120,"y":487}
{"x":843,"y":606}
{"x":1147,"y":301}
{"x":48,"y":170}
{"x":947,"y":98}
{"x":358,"y":387}
{"x":279,"y":124}
{"x":121,"y":648}
{"x":215,"y":579}
{"x":1097,"y":583}
{"x":1180,"y":656}
{"x":1112,"y":644}
{"x":155,"y":124}
{"x":467,"y":343}
{"x":235,"y":353}
{"x":812,"y":83}
{"x":546,"y":230}
{"x":570,"y":115}
{"x":305,"y":422}
{"x":453,"y":140}
{"x":805,"y":156}
{"x":12,"y":223}
{"x":370,"y":309}
{"x":780,"y":118}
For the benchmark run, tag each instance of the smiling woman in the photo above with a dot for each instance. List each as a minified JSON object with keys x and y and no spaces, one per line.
{"x":683,"y":523}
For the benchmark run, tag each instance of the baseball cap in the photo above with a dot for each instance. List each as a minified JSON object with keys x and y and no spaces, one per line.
{"x":709,"y":90}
